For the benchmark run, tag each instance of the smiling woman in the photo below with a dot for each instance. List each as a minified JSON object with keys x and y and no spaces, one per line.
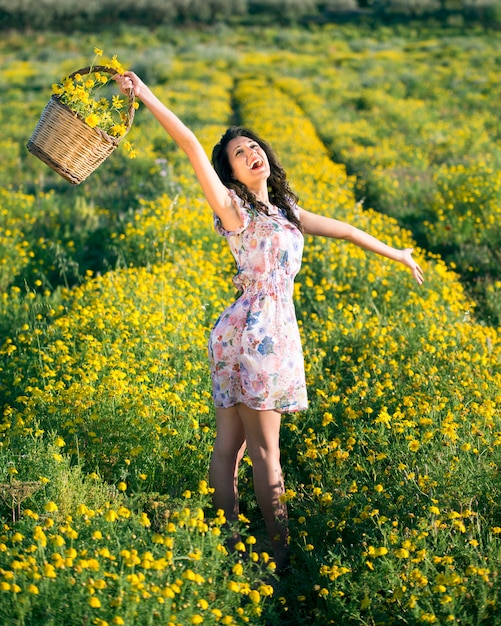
{"x":255,"y":349}
{"x":241,"y":149}
{"x":248,"y":162}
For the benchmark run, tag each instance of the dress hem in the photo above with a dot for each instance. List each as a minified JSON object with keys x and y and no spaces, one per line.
{"x":273,"y":408}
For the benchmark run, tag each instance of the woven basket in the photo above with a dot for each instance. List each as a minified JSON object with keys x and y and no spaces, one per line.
{"x":67,"y":144}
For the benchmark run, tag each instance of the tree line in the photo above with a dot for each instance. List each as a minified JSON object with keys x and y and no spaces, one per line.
{"x":70,"y":15}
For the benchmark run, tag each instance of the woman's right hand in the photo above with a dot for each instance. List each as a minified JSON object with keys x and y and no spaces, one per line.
{"x":130,"y":80}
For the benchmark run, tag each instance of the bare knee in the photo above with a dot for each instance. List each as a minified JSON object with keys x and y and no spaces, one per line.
{"x":226,"y":450}
{"x":263,"y":453}
{"x":262,"y":429}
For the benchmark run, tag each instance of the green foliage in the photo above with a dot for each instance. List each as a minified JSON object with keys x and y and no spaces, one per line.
{"x":282,"y":10}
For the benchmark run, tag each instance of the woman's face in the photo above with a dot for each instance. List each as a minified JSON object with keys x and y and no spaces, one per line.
{"x":248,"y":162}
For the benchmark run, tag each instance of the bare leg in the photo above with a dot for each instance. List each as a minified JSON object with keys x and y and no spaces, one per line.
{"x":262,"y":432}
{"x":229,"y":448}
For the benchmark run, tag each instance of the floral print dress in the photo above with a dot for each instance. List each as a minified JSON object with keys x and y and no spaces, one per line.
{"x":254,"y":348}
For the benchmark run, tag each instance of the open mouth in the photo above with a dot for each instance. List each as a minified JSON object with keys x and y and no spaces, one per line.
{"x":256,"y":164}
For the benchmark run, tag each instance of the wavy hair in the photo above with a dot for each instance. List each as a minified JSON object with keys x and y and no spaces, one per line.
{"x":280,"y":193}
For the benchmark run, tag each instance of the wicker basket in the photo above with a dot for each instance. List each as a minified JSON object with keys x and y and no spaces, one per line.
{"x":67,"y":144}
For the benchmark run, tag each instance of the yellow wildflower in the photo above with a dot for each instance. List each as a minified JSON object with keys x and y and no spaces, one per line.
{"x":118,"y":130}
{"x":402,"y":553}
{"x":92,"y":120}
{"x":114,"y":64}
{"x":145,"y":520}
{"x":254,"y":596}
{"x":117,"y":102}
{"x":40,"y":536}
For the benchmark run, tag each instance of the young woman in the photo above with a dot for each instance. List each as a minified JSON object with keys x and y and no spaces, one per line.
{"x":254,"y":348}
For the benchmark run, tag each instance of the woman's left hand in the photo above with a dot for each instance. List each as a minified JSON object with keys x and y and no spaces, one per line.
{"x":407,"y":259}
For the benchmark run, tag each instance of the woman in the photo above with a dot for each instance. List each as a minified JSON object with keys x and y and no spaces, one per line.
{"x":254,"y":348}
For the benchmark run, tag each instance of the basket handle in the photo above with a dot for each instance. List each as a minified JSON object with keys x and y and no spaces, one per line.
{"x":108,"y":70}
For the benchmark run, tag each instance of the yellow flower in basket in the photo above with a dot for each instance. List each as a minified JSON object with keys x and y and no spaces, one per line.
{"x":83,"y":122}
{"x":80,"y":93}
{"x":92,"y":120}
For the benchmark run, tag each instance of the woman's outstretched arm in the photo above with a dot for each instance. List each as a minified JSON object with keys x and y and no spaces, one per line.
{"x":320,"y":225}
{"x":215,"y":192}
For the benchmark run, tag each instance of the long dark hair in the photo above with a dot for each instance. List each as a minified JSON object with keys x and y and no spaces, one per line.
{"x":280,"y":193}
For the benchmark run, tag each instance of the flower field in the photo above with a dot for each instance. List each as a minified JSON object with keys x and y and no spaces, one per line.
{"x":109,"y":290}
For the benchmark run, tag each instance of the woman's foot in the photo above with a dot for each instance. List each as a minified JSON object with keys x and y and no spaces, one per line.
{"x":282,"y":558}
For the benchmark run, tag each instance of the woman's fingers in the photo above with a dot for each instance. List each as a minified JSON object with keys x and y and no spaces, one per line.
{"x":417,"y":272}
{"x":128,"y":81}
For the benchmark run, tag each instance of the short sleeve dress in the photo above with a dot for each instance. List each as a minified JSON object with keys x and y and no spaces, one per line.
{"x":255,"y":349}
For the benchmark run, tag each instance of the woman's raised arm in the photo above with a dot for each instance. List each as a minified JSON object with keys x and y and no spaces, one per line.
{"x":216,"y":193}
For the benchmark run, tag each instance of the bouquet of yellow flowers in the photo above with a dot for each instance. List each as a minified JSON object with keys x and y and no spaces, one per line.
{"x":81,"y":126}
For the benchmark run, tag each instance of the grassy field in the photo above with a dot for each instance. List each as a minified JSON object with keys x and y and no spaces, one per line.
{"x":109,"y":290}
